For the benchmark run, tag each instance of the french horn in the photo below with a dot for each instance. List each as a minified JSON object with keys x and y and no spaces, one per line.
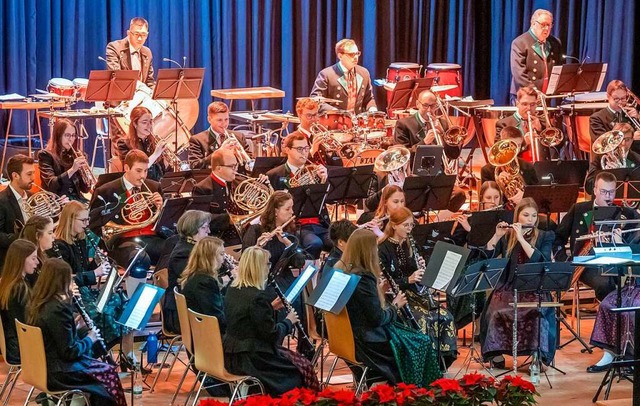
{"x":44,"y":203}
{"x":138,"y":211}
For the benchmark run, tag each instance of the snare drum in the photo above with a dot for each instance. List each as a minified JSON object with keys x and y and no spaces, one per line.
{"x":582,"y":113}
{"x":446,"y":74}
{"x":336,"y":120}
{"x":399,"y":71}
{"x":81,"y":87}
{"x":61,"y":87}
{"x":342,"y":137}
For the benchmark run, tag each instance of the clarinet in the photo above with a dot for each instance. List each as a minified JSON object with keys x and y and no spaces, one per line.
{"x":420,"y":262}
{"x":406,"y":310}
{"x":77,"y":302}
{"x":307,"y":349}
{"x":228,"y":265}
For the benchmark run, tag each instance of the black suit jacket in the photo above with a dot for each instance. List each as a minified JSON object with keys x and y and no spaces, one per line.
{"x":203,"y":144}
{"x":16,"y":309}
{"x":366,"y":314}
{"x":9,"y":213}
{"x":528,"y":172}
{"x":119,"y":58}
{"x":77,"y":256}
{"x":595,"y":165}
{"x":331,"y":82}
{"x":220,"y":219}
{"x":202,"y":293}
{"x":527,"y":67}
{"x":410,"y":132}
{"x":251,"y":325}
{"x":114,"y":194}
{"x":603,"y":121}
{"x":54,"y":177}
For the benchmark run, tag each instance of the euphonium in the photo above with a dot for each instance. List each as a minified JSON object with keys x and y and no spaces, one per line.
{"x":138,"y":211}
{"x":44,"y":203}
{"x":550,"y":136}
{"x":307,"y":175}
{"x":394,"y":161}
{"x":610,"y":146}
{"x":172,"y":158}
{"x":85,"y":172}
{"x":504,"y":156}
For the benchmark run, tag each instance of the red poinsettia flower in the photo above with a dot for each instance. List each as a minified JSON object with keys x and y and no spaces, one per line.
{"x":258,"y":400}
{"x":344,"y":397}
{"x":385,"y":393}
{"x":211,"y":402}
{"x":519,"y":382}
{"x":447,"y":385}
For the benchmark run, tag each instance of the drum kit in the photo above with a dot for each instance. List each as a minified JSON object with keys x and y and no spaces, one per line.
{"x":447,"y":77}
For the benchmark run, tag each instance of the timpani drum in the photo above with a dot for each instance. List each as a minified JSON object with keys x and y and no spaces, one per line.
{"x":61,"y":87}
{"x":582,"y":112}
{"x":399,"y":71}
{"x":81,"y":85}
{"x":446,"y":74}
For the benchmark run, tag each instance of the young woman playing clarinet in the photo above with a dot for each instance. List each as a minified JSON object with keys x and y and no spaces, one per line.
{"x":250,"y":344}
{"x":400,"y":258}
{"x":15,"y":292}
{"x":70,"y":364}
{"x":522,"y":242}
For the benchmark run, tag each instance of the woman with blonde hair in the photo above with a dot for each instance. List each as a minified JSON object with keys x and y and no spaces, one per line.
{"x":199,"y":280}
{"x":250,"y":344}
{"x":522,"y":242}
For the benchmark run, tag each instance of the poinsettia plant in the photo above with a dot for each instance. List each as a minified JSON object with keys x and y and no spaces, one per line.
{"x":471,"y":390}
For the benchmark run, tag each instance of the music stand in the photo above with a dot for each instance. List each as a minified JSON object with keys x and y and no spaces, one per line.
{"x":425,"y":193}
{"x":264,"y":164}
{"x":406,"y":91}
{"x":428,"y":160}
{"x":426,"y":235}
{"x":348,"y":183}
{"x":173,"y":208}
{"x":576,"y":78}
{"x":539,"y":277}
{"x":553,"y":198}
{"x":308,"y":200}
{"x":478,"y":277}
{"x":110,"y":86}
{"x":562,"y":172}
{"x":627,"y":184}
{"x":182,"y":181}
{"x":176,"y":84}
{"x":483,"y":226}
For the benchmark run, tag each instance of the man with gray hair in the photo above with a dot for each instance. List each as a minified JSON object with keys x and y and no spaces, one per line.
{"x":534,"y":54}
{"x":130,"y":53}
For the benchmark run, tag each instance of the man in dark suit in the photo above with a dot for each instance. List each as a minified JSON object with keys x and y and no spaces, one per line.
{"x":203,"y":144}
{"x":579,"y":221}
{"x":21,"y":171}
{"x":534,"y":54}
{"x":108,"y":204}
{"x":313,"y":230}
{"x":617,"y":111}
{"x":130,"y":53}
{"x":345,"y":81}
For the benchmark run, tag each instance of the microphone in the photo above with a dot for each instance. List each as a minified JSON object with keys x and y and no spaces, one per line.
{"x":184,"y":61}
{"x":172,"y":61}
{"x":102,"y":59}
{"x":570,"y":57}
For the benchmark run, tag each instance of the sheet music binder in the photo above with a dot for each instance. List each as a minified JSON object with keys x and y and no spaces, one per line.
{"x":342,"y":297}
{"x":144,"y":299}
{"x":444,"y":254}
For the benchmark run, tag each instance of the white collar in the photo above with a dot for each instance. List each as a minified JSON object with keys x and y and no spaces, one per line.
{"x":132,"y":50}
{"x":294,"y":169}
{"x":127,"y":185}
{"x":17,"y":195}
{"x":304,"y":130}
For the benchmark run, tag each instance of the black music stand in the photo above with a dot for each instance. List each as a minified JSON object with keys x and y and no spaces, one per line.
{"x":172,"y":209}
{"x":426,"y":235}
{"x":183,"y":181}
{"x":110,"y":86}
{"x":576,"y":78}
{"x":478,"y":277}
{"x":348,"y":183}
{"x":483,"y":226}
{"x":426,"y":193}
{"x":553,"y":198}
{"x":561,"y":172}
{"x":264,"y":164}
{"x":177,"y":84}
{"x":308,"y":201}
{"x":427,"y":160}
{"x":540,"y":277}
{"x":406,"y":92}
{"x":636,"y":362}
{"x":628,"y":183}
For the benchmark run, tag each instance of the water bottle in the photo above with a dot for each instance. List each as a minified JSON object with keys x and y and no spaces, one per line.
{"x":534,"y":371}
{"x":152,"y":348}
{"x":137,"y":385}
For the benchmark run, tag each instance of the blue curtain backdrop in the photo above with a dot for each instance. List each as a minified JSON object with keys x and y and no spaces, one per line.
{"x":284,"y":43}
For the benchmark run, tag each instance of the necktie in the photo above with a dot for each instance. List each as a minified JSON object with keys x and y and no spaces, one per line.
{"x":351,"y":90}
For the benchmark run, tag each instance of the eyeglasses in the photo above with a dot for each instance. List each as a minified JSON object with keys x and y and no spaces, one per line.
{"x":619,"y":99}
{"x":544,"y":25}
{"x":408,"y":226}
{"x":605,"y":192}
{"x":533,"y":104}
{"x":70,"y":136}
{"x":311,"y":115}
{"x":429,"y":106}
{"x":139,"y":34}
{"x":352,"y":54}
{"x":234,"y":166}
{"x":302,"y":150}
{"x":83,"y":220}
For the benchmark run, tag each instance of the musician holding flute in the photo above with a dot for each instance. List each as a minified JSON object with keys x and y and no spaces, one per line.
{"x":63,"y":169}
{"x":521,"y":242}
{"x":70,"y":360}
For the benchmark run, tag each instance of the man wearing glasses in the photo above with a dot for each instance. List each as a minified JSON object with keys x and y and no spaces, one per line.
{"x":534,"y":54}
{"x":345,"y":81}
{"x":579,"y":221}
{"x":617,"y":111}
{"x":130,"y":53}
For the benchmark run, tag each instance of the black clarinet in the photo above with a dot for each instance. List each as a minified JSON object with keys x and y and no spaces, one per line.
{"x":406,"y":310}
{"x":105,"y":356}
{"x":421,"y":290}
{"x":306,"y":347}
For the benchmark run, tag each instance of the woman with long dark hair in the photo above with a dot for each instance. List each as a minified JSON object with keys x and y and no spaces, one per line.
{"x":60,"y":167}
{"x":69,"y":361}
{"x":40,"y":231}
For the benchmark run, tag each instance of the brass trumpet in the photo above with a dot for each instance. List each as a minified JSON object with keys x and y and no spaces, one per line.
{"x":138,"y":211}
{"x":44,"y":203}
{"x":504,"y":156}
{"x":610,"y":146}
{"x":85,"y":172}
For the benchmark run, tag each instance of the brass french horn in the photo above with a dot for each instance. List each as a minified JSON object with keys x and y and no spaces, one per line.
{"x":504,"y":156}
{"x":44,"y":203}
{"x":251,"y":196}
{"x":138,"y":211}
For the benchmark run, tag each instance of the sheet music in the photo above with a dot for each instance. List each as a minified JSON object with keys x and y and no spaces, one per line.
{"x":107,"y":290}
{"x":300,"y":282}
{"x":332,"y":292}
{"x":602,"y":75}
{"x":553,"y":79}
{"x":140,"y":310}
{"x":447,"y":270}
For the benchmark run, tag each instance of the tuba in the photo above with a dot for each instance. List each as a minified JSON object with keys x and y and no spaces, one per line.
{"x":44,"y":203}
{"x":251,"y":196}
{"x":138,"y":211}
{"x":307,"y":175}
{"x":504,"y":156}
{"x":610,"y":146}
{"x":395,"y":162}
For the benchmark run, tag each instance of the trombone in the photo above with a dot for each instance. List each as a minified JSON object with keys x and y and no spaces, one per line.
{"x":549,"y":137}
{"x":632,"y":102}
{"x":242,"y":156}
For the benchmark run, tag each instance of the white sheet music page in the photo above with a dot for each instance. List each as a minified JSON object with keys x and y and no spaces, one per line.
{"x":332,"y":292}
{"x":300,"y":283}
{"x":108,"y":289}
{"x":447,"y":270}
{"x":139,"y":311}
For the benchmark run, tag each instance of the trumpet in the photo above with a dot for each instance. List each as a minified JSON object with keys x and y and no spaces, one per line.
{"x":307,"y":175}
{"x":263,"y":240}
{"x":242,"y":156}
{"x":85,"y":171}
{"x":44,"y":203}
{"x":171,"y":157}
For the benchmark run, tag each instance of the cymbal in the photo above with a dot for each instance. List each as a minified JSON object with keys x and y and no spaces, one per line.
{"x":442,"y":88}
{"x":321,"y":99}
{"x":282,"y":118}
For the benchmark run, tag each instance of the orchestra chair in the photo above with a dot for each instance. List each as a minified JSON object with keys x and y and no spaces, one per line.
{"x":615,"y":402}
{"x":209,"y":356}
{"x":312,"y":330}
{"x":34,"y":365}
{"x":187,"y":342}
{"x":161,"y":279}
{"x":12,"y":375}
{"x":342,"y":345}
